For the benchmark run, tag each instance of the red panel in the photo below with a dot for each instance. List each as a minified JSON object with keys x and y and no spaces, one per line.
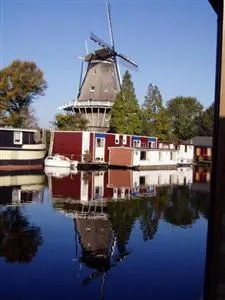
{"x":144,"y":142}
{"x":120,"y":178}
{"x":121,"y":157}
{"x":108,"y":192}
{"x":66,"y":187}
{"x":68,"y":144}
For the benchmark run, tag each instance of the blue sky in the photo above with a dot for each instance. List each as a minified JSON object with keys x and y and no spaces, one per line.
{"x":173,"y":42}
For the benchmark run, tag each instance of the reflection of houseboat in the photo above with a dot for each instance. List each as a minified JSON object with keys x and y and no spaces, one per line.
{"x":86,"y":187}
{"x":119,"y":150}
{"x":17,"y":189}
{"x":21,"y":149}
{"x":202,"y":148}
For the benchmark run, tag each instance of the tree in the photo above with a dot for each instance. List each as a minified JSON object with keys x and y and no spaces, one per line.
{"x":21,"y":83}
{"x":155,"y":119}
{"x":125,"y":113}
{"x":20,"y":239}
{"x":185,"y":114}
{"x":70,"y":122}
{"x":206,"y":122}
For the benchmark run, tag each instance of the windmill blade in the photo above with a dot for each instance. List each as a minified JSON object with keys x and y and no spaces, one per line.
{"x":118,"y":72}
{"x":127,"y":64}
{"x":108,"y":8}
{"x":124,"y":57}
{"x":100,"y":42}
{"x":81,"y":74}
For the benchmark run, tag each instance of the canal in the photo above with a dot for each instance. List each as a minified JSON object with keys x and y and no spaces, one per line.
{"x":103,"y":235}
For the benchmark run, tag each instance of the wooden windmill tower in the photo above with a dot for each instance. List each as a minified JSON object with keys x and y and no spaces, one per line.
{"x":100,"y":84}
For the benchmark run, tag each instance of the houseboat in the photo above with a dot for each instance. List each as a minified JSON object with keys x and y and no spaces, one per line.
{"x":21,"y":149}
{"x":20,"y":188}
{"x":118,"y":150}
{"x":202,"y":148}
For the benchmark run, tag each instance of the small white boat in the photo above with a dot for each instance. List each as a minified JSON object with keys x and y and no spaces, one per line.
{"x":57,"y":161}
{"x":57,"y":172}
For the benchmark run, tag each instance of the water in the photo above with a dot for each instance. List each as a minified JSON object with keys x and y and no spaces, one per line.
{"x":145,"y":239}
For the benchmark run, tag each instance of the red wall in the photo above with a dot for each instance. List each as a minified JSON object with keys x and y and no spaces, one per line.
{"x":68,"y":144}
{"x":66,"y":187}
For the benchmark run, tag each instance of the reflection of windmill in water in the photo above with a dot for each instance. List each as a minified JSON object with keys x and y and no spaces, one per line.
{"x":100,"y":84}
{"x":98,"y":247}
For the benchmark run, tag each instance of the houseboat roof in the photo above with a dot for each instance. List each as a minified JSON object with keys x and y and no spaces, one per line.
{"x":18,"y":129}
{"x":204,"y":141}
{"x":107,"y":133}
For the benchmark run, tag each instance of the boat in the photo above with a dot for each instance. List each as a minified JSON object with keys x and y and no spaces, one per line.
{"x":22,"y":149}
{"x":57,"y":161}
{"x":58,"y":172}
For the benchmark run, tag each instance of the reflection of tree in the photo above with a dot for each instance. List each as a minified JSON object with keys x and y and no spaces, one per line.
{"x":180,"y":211}
{"x":19,"y":239}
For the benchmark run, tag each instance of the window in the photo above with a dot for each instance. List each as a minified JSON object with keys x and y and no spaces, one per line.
{"x":160,"y":155}
{"x":185,"y":148}
{"x":143,"y":155}
{"x":124,"y":139}
{"x":18,"y":137}
{"x":171,"y":155}
{"x":92,"y":88}
{"x":117,"y":139}
{"x":94,"y":72}
{"x":99,"y":142}
{"x":136,"y":143}
{"x":142,"y":180}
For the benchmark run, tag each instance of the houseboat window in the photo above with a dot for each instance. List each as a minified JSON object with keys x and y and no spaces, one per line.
{"x":18,"y":137}
{"x":142,"y":180}
{"x":143,"y":155}
{"x":171,"y":155}
{"x":92,"y":88}
{"x":124,"y":139}
{"x":185,"y":148}
{"x":209,"y":152}
{"x":136,"y":143}
{"x":151,"y":145}
{"x":160,"y":155}
{"x":117,"y":139}
{"x":198,"y":151}
{"x":100,"y":142}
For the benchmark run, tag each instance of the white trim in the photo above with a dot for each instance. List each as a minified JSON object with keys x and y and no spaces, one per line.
{"x":34,"y":146}
{"x":18,"y":129}
{"x":21,"y":154}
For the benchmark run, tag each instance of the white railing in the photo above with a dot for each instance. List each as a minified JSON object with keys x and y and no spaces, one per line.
{"x":87,"y":103}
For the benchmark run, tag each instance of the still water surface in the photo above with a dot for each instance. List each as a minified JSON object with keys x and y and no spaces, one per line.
{"x":103,"y":235}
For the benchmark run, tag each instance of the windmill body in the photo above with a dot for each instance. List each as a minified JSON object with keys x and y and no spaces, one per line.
{"x":100,"y":85}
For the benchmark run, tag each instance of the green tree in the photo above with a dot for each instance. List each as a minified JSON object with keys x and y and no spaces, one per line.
{"x":21,"y":83}
{"x":125,"y":113}
{"x":70,"y":122}
{"x":206,"y":122}
{"x":20,"y":239}
{"x":155,"y":119}
{"x":185,"y":114}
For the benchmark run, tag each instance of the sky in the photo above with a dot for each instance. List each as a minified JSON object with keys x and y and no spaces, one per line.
{"x":172,"y":41}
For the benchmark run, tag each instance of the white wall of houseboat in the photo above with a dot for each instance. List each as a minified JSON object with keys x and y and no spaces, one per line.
{"x":186,"y":153}
{"x":155,"y":157}
{"x":180,"y":176}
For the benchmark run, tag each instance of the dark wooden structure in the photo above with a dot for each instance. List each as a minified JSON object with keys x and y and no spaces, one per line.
{"x":215,"y":257}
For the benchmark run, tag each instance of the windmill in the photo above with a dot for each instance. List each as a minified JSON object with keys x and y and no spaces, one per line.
{"x":101,"y":83}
